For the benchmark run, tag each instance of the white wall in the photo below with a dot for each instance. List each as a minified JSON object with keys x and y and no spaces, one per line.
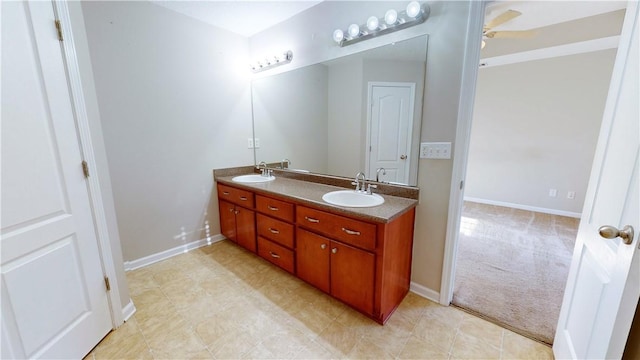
{"x":174,"y":104}
{"x":292,"y":106}
{"x":535,"y":128}
{"x":309,"y":36}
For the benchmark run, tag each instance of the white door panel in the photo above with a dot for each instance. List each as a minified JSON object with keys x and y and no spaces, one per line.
{"x":54,"y":300}
{"x":390,"y":130}
{"x":603,"y":286}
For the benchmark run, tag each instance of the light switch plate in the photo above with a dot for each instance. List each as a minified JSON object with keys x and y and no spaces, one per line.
{"x":250,"y":143}
{"x":435,"y":150}
{"x":256,"y":143}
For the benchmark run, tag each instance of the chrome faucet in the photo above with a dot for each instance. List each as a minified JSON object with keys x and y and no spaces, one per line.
{"x":384,"y":172}
{"x":283,"y":161}
{"x":262,"y":166}
{"x":359,"y":177}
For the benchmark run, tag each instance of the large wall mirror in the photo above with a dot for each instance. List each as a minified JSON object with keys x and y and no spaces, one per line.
{"x":361,"y":112}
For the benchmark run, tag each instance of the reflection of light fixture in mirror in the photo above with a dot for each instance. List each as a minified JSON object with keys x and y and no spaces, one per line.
{"x":270,"y":63}
{"x":392,"y":20}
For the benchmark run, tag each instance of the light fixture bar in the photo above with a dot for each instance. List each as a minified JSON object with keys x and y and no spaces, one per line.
{"x":274,"y":61}
{"x":403,"y":21}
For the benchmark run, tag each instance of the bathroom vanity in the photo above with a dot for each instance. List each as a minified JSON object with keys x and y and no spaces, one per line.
{"x":361,"y":256}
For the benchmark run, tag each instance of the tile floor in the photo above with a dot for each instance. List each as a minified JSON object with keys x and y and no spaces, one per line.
{"x":221,"y":302}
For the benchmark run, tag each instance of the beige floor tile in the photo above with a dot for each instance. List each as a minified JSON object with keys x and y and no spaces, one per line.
{"x":310,"y":320}
{"x":258,"y":352}
{"x":470,"y":347}
{"x":365,"y":349}
{"x":180,"y":342}
{"x":286,"y":343}
{"x":232,"y":345}
{"x":313,"y":350}
{"x":338,"y":339}
{"x":125,"y":342}
{"x":437,"y":332}
{"x":515,"y":346}
{"x":482,"y":329}
{"x":389,"y":337}
{"x":199,"y":355}
{"x":165,"y":276}
{"x":418,"y":349}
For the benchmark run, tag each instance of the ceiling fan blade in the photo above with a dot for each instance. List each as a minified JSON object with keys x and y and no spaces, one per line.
{"x":510,"y":34}
{"x":502,"y":18}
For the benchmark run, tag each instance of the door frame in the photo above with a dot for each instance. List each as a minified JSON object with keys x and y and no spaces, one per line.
{"x":72,"y":68}
{"x":412,"y":105}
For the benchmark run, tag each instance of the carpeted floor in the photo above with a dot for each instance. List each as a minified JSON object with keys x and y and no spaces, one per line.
{"x":512,"y":267}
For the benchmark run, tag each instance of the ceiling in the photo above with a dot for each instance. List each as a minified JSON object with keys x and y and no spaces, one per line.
{"x":536,"y":14}
{"x":248,"y":17}
{"x":239,"y":16}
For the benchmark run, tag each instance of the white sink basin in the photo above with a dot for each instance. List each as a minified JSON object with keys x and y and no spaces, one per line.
{"x":253,"y":178}
{"x":351,"y":198}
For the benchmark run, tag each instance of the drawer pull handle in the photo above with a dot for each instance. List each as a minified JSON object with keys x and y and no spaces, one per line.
{"x":311,"y":219}
{"x":274,"y":231}
{"x":272,"y":208}
{"x":243,"y":198}
{"x":225,"y":193}
{"x":323,"y":246}
{"x":351,"y":232}
{"x":274,"y":255}
{"x":334,"y":250}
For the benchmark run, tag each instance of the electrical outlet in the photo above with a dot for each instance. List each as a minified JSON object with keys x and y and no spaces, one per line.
{"x":250,"y":143}
{"x":435,"y":150}
{"x":571,"y":195}
{"x":553,"y":192}
{"x":256,"y":143}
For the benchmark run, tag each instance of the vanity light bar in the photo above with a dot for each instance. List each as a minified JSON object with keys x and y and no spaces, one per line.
{"x":271,"y":62}
{"x":392,"y":21}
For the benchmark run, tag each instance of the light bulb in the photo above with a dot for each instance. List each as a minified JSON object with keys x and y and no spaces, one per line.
{"x":338,"y":35}
{"x":354,"y":30}
{"x":372,"y":23}
{"x":390,"y":17}
{"x":413,"y":9}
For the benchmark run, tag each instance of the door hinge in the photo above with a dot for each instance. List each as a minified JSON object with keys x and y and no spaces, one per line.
{"x":85,"y":169}
{"x":59,"y":28}
{"x":107,"y":284}
{"x":461,"y":184}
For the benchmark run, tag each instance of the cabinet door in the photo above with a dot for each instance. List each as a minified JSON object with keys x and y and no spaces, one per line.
{"x":312,"y":259}
{"x":246,"y":228}
{"x":352,"y":276}
{"x":228,"y":220}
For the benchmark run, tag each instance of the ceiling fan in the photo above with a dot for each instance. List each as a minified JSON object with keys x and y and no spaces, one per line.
{"x":488,"y":33}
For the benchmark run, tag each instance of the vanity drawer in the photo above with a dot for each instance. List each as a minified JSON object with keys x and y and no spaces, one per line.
{"x":350,"y":231}
{"x":275,"y":230}
{"x":276,"y":208}
{"x":237,"y":196}
{"x":276,"y":254}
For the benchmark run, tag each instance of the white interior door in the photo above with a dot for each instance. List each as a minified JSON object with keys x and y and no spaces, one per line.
{"x":603,"y":287}
{"x":390,"y":129}
{"x":54,"y":300}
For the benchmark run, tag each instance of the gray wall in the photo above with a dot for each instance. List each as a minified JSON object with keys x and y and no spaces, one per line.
{"x":174,"y":105}
{"x":309,"y":36}
{"x":535,"y":128}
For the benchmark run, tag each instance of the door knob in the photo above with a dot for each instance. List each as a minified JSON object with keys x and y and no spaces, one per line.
{"x":611,"y":232}
{"x":403,"y":157}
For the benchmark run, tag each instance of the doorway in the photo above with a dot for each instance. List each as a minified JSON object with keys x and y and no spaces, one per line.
{"x":527,"y":173}
{"x":390,"y":112}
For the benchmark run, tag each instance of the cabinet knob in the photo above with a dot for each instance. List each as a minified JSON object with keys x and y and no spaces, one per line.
{"x":231,"y":210}
{"x":323,"y":246}
{"x":237,"y":212}
{"x":334,"y":250}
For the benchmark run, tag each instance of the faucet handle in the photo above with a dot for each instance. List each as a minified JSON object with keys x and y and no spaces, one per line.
{"x":371,"y":186}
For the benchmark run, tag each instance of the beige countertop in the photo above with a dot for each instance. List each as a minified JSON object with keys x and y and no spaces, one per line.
{"x":309,"y":193}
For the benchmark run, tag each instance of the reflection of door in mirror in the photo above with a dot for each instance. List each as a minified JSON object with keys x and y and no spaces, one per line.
{"x":390,"y":126}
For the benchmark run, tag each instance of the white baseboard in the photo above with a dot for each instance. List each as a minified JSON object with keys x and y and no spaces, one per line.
{"x":525,"y":207}
{"x":128,"y":310}
{"x":425,"y":292}
{"x":148,"y":260}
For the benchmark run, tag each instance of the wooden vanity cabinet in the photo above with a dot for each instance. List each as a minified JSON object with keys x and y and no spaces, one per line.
{"x":276,"y":235}
{"x":343,"y":271}
{"x":237,"y":223}
{"x":365,"y":264}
